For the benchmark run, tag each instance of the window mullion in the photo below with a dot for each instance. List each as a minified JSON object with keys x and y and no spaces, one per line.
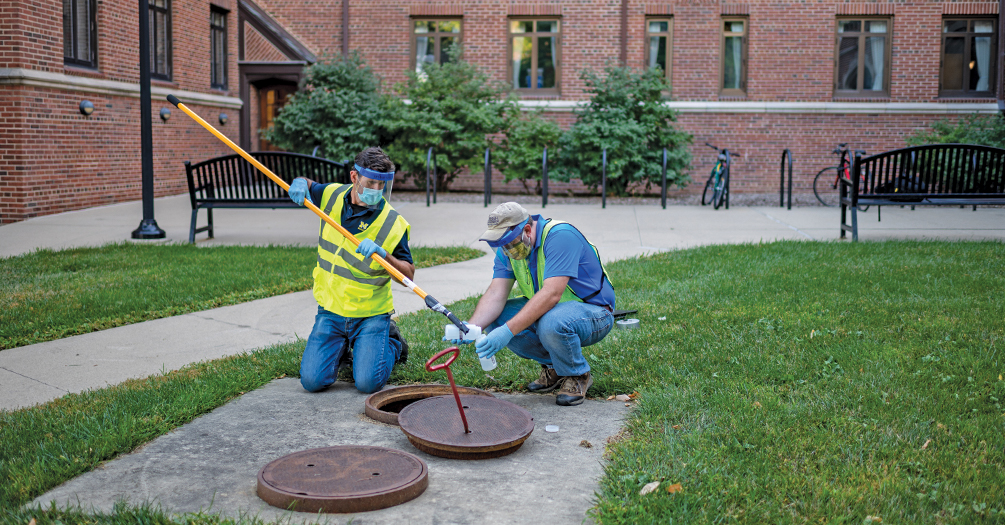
{"x":860,"y":81}
{"x":533,"y":61}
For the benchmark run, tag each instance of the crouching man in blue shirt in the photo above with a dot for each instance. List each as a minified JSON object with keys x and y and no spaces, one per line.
{"x":565,"y":300}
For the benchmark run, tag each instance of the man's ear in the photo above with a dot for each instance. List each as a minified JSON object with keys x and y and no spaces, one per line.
{"x":353,"y":176}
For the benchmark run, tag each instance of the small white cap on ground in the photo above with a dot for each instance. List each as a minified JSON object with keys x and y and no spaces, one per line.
{"x":551,"y":428}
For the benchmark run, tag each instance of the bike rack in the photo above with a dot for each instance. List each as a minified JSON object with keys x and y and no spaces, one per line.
{"x":603,"y":181}
{"x":786,"y":156}
{"x":544,"y":178}
{"x":488,"y":177}
{"x":663,"y":192}
{"x":729,"y":173}
{"x":430,"y":160}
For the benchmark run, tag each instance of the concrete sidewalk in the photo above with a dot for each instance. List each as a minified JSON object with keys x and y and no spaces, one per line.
{"x":39,"y":373}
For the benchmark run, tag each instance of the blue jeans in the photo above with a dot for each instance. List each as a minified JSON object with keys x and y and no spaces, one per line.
{"x":373,"y":356}
{"x":558,"y":337}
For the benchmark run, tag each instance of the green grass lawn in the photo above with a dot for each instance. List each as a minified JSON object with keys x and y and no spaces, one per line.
{"x":47,"y":295}
{"x":790,"y":382}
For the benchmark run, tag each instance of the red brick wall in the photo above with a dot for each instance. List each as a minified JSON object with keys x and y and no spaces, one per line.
{"x":54,"y":159}
{"x":258,"y":49}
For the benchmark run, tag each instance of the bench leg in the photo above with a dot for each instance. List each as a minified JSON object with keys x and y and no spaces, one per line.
{"x":209,"y":213}
{"x":854,"y":223}
{"x":191,"y":229}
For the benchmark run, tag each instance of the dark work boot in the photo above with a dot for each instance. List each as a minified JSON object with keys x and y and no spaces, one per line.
{"x":574,"y":389}
{"x":547,"y":381}
{"x":395,"y":334}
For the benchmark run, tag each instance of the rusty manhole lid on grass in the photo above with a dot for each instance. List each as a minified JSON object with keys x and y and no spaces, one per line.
{"x":342,"y":479}
{"x":433,"y":425}
{"x":385,"y":405}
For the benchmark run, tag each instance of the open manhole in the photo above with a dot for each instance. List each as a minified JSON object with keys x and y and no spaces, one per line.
{"x":384,"y":406}
{"x":342,"y":479}
{"x":497,"y":427}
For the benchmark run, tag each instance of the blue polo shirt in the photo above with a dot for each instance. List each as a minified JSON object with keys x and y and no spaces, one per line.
{"x":570,"y":255}
{"x":353,"y":215}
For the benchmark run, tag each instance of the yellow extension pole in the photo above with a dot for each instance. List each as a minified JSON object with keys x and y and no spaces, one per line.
{"x":430,"y":302}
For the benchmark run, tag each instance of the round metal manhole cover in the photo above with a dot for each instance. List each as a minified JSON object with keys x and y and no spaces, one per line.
{"x":434,"y":426}
{"x":342,"y":479}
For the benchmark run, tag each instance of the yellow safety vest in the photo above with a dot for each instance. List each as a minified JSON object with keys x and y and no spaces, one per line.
{"x":344,"y":282}
{"x":521,"y":270}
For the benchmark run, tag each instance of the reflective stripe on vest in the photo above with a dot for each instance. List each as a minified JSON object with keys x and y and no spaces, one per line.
{"x":521,"y":270}
{"x":344,"y":282}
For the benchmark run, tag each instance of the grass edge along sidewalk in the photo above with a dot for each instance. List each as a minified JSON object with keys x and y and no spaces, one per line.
{"x":47,"y":295}
{"x":786,"y":382}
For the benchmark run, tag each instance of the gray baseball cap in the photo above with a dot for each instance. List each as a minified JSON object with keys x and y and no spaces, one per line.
{"x":504,"y":217}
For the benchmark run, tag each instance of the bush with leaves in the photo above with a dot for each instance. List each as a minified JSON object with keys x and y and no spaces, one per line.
{"x":627,"y":115}
{"x":987,"y":130}
{"x":450,"y":107}
{"x":520,"y":153}
{"x":339,"y":108}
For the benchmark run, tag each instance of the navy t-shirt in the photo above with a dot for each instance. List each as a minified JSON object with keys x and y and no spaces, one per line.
{"x":353,"y":215}
{"x":568,"y":254}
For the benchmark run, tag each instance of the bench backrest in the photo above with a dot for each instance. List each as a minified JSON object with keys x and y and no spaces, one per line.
{"x":933,"y":171}
{"x":231,"y":178}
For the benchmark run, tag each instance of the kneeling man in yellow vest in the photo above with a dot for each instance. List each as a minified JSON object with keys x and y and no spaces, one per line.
{"x":352,"y":290}
{"x":565,"y":299}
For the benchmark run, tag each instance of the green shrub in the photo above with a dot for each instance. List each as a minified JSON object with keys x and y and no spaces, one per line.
{"x":451,"y":107}
{"x":626,"y":115}
{"x":339,"y":108}
{"x":520,"y":153}
{"x":987,"y":130}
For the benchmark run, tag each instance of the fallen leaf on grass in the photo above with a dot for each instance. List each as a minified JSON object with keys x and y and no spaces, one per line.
{"x":676,"y":427}
{"x":32,"y":522}
{"x":633,"y":395}
{"x":610,"y":397}
{"x":623,"y":397}
{"x":872,"y":519}
{"x":650,"y":487}
{"x":675,"y":488}
{"x":757,"y":405}
{"x":927,"y":441}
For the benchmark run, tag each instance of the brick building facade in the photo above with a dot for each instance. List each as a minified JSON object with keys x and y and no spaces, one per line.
{"x":757,"y":76}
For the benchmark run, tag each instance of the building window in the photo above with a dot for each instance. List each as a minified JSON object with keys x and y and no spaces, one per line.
{"x":432,"y":40}
{"x":968,"y":57}
{"x":80,"y":33}
{"x":160,"y":39}
{"x":535,"y":51}
{"x":218,"y":48}
{"x":733,"y":73}
{"x":659,"y":42}
{"x":863,"y":57}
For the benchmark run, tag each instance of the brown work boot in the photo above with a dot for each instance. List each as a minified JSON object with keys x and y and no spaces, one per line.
{"x":574,"y":389}
{"x":548,"y":381}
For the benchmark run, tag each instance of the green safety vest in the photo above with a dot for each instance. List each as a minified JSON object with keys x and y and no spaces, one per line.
{"x":521,"y":270}
{"x":344,"y":282}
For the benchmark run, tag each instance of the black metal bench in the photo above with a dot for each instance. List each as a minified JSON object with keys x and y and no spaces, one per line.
{"x":232,"y":182}
{"x":931,"y":175}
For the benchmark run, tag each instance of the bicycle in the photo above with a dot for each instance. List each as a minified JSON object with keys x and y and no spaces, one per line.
{"x":718,"y":180}
{"x":826,"y":184}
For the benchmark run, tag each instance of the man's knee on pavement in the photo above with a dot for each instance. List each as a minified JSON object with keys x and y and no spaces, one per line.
{"x":369,"y":385}
{"x":312,"y":382}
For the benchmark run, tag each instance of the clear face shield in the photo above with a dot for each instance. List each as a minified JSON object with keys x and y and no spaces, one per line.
{"x":373,"y":186}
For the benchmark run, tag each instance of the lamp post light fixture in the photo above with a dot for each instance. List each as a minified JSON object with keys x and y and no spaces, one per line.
{"x":223,"y":118}
{"x":165,"y":114}
{"x":86,"y":108}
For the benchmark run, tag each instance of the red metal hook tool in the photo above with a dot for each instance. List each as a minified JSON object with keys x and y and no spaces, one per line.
{"x":450,"y":377}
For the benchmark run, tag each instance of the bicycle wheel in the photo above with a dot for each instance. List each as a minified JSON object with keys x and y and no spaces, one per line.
{"x":719,"y":197}
{"x":706,"y":196}
{"x":824,"y":187}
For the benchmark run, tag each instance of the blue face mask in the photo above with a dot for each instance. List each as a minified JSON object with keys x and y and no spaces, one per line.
{"x":370,"y":196}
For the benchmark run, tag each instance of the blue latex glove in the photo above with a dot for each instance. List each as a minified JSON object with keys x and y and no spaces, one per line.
{"x":368,"y":248}
{"x":298,"y":192}
{"x":460,"y":341}
{"x":494,"y":342}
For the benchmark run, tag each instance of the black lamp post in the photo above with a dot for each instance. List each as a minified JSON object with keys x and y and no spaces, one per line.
{"x":148,"y":226}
